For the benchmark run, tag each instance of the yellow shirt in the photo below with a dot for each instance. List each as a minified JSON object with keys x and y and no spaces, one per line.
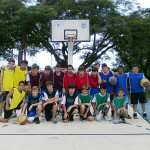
{"x":16,"y":99}
{"x":8,"y":79}
{"x":20,"y":75}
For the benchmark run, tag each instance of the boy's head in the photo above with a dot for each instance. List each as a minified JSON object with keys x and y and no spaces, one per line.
{"x":34,"y":69}
{"x":21,"y":85}
{"x":11,"y":63}
{"x":85,"y":90}
{"x":81,"y":70}
{"x":70,"y":69}
{"x":120,"y":92}
{"x":103,"y":89}
{"x":104,"y":68}
{"x":58,"y":68}
{"x":47,"y":69}
{"x":97,"y":65}
{"x":120,"y":69}
{"x":35,"y":91}
{"x":24,"y":64}
{"x":71,"y":89}
{"x":49,"y":85}
{"x":135,"y":69}
{"x":94,"y":71}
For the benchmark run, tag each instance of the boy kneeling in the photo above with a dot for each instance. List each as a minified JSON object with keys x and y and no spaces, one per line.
{"x":33,"y":104}
{"x":102,"y":101}
{"x":14,"y":100}
{"x":70,"y":104}
{"x":119,"y":106}
{"x":84,"y":103}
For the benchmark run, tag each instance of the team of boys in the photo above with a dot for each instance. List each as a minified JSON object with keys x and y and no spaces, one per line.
{"x":15,"y":94}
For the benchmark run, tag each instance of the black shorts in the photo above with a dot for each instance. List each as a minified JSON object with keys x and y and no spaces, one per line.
{"x":111,"y":98}
{"x":3,"y":96}
{"x":68,"y":113}
{"x":7,"y":114}
{"x":88,"y":114}
{"x":140,"y":96}
{"x":48,"y":111}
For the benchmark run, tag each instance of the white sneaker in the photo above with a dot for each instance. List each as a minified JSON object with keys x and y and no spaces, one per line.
{"x":99,"y":116}
{"x":106,"y":118}
{"x":14,"y":115}
{"x":43,"y":114}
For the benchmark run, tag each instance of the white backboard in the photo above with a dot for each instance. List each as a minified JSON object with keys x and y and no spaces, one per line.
{"x":79,"y":27}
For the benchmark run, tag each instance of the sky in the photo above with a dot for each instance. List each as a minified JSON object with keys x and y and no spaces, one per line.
{"x":44,"y":58}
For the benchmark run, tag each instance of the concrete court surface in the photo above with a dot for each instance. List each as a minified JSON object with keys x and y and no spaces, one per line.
{"x":76,"y":135}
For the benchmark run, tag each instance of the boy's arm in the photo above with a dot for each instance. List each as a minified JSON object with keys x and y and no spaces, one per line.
{"x":1,"y":80}
{"x":93,"y":105}
{"x":99,"y":78}
{"x":89,"y":105}
{"x":7,"y":99}
{"x":24,"y":108}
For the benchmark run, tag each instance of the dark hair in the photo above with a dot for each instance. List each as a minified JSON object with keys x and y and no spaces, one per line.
{"x":134,"y":66}
{"x":104,"y":65}
{"x":120,"y":66}
{"x":71,"y":86}
{"x":94,"y":69}
{"x":85,"y":88}
{"x":58,"y":65}
{"x":103,"y":87}
{"x":49,"y":83}
{"x":97,"y":64}
{"x":11,"y":60}
{"x":70,"y":66}
{"x":24,"y":62}
{"x":120,"y":89}
{"x":35,"y":66}
{"x":81,"y":68}
{"x":47,"y":67}
{"x":21,"y":82}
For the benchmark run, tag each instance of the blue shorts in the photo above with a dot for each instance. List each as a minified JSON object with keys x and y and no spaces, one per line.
{"x":94,"y":91}
{"x":32,"y":115}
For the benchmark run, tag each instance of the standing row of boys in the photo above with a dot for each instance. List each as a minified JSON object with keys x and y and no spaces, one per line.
{"x":20,"y":90}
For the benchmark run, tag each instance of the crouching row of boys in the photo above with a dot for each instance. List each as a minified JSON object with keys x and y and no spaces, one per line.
{"x":71,"y":103}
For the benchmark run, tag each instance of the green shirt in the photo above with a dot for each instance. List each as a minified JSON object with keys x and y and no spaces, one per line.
{"x":84,"y":99}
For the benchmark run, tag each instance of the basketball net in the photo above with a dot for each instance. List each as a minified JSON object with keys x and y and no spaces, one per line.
{"x":70,"y":37}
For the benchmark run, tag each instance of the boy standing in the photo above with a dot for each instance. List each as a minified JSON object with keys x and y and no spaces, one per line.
{"x":7,"y":80}
{"x":119,"y":105}
{"x":17,"y":101}
{"x":58,"y":84}
{"x":101,"y":103}
{"x":51,"y":97}
{"x":105,"y":75}
{"x":70,"y":104}
{"x":84,"y":100}
{"x":69,"y":77}
{"x":33,"y":104}
{"x":137,"y":92}
{"x":81,"y":79}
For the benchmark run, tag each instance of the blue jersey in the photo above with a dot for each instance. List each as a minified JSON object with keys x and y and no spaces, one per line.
{"x":106,"y":77}
{"x":121,"y":83}
{"x":51,"y":95}
{"x":134,"y":80}
{"x":70,"y":100}
{"x":33,"y":100}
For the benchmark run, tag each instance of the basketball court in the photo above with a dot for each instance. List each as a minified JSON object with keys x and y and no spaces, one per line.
{"x":76,"y":135}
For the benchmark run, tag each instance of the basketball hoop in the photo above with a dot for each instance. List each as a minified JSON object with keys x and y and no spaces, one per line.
{"x":70,"y":37}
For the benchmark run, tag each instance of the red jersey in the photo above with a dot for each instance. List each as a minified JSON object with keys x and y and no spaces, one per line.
{"x":68,"y":80}
{"x":93,"y":81}
{"x":81,"y":81}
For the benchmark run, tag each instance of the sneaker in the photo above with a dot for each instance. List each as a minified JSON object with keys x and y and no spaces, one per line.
{"x":145,"y":116}
{"x":112,"y":114}
{"x":116,"y":121}
{"x":94,"y":114}
{"x":36,"y":120}
{"x":99,"y":117}
{"x":57,"y":113}
{"x":43,"y":114}
{"x":14,"y":115}
{"x":135,"y":116}
{"x":123,"y":120}
{"x":54,"y":120}
{"x":129,"y":117}
{"x":71,"y":118}
{"x":82,"y":118}
{"x":106,"y":118}
{"x":60,"y":113}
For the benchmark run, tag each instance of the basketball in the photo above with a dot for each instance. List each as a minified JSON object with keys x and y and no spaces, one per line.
{"x":113,"y":80}
{"x":22,"y":119}
{"x":144,"y":83}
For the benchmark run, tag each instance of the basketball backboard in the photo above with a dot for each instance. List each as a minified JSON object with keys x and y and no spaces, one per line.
{"x":80,"y":29}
